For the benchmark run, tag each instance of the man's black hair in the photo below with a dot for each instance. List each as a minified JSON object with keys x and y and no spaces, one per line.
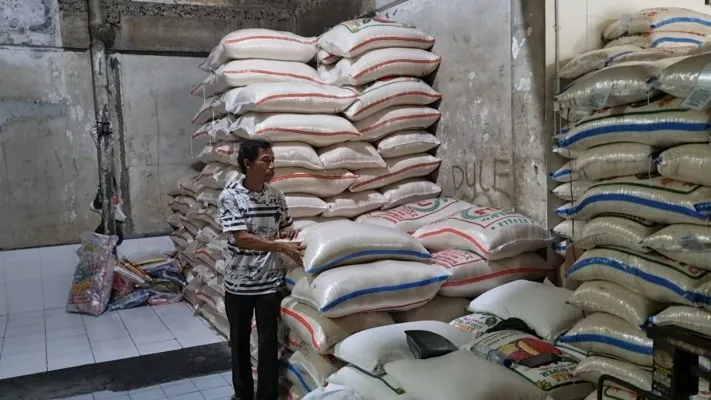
{"x":249,"y":150}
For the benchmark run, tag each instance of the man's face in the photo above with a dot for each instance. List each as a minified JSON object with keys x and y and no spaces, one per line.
{"x":263,"y":166}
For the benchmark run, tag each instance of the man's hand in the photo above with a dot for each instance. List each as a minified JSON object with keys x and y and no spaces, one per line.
{"x":293,"y":250}
{"x":289,"y":234}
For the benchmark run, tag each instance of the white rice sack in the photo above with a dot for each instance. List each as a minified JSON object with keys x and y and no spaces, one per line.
{"x":614,"y":299}
{"x":556,"y":379}
{"x":396,"y":119}
{"x":493,"y":234}
{"x":351,"y":205}
{"x":687,"y":163}
{"x":612,"y":336}
{"x":658,"y":199}
{"x":301,"y":224}
{"x":322,"y":333}
{"x":568,"y":229}
{"x":461,"y":376}
{"x":350,"y":156}
{"x":567,"y":153}
{"x":294,"y":154}
{"x":215,"y":130}
{"x":367,"y":386}
{"x":572,"y":191}
{"x":691,"y":318}
{"x":682,"y":77}
{"x":338,"y":243}
{"x":411,"y":217}
{"x":702,"y":295}
{"x":205,"y":156}
{"x":662,"y":123}
{"x":473,"y":275}
{"x":379,"y":286}
{"x":240,"y":73}
{"x":217,"y":175}
{"x":183,"y":204}
{"x":391,"y":92}
{"x":317,"y":130}
{"x":174,"y":220}
{"x":409,"y":191}
{"x":614,"y":393}
{"x":613,"y":86}
{"x":674,"y":40}
{"x":188,"y":185}
{"x":372,"y":349}
{"x":561,"y":248}
{"x":378,"y":64}
{"x":406,"y":143}
{"x":476,"y":324}
{"x":310,"y":369}
{"x":293,"y":277}
{"x":397,"y":169}
{"x":294,"y":97}
{"x":617,"y":231}
{"x":542,"y":307}
{"x":667,"y":19}
{"x":212,"y":108}
{"x":594,"y":60}
{"x":591,"y":368}
{"x":326,"y":58}
{"x":305,"y":205}
{"x":443,"y":309}
{"x":655,"y":277}
{"x":689,"y":244}
{"x":355,"y":37}
{"x":318,"y":183}
{"x":261,"y":43}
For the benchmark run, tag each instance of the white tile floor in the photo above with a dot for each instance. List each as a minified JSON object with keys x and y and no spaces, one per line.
{"x":39,"y":341}
{"x":211,"y":387}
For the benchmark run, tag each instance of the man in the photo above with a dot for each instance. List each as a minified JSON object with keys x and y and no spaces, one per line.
{"x":257,"y":215}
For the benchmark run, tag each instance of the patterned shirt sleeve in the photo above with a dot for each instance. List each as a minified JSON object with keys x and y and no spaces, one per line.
{"x":285,"y":220}
{"x":230,"y":215}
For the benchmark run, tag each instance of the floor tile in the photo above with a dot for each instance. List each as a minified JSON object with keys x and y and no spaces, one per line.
{"x":34,"y":329}
{"x":67,"y":332}
{"x":70,"y":361}
{"x":147,"y":337}
{"x":30,"y":320}
{"x":68,"y":341}
{"x":158,"y":347}
{"x":23,"y":347}
{"x":63,"y":321}
{"x":108,"y":326}
{"x":151,"y":394}
{"x":32,"y":357}
{"x":194,"y":341}
{"x":209,"y":381}
{"x":25,"y":315}
{"x":114,"y":349}
{"x":51,"y":311}
{"x":106,"y":395}
{"x":54,"y":352}
{"x":81,"y":397}
{"x":218,"y":392}
{"x":200,"y":330}
{"x":23,"y":340}
{"x":179,"y":387}
{"x":22,"y":369}
{"x":188,"y":396}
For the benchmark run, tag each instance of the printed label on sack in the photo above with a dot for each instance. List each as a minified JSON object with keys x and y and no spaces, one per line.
{"x":360,"y":24}
{"x":700,"y":96}
{"x":415,"y":210}
{"x":492,"y":219}
{"x":477,"y":323}
{"x":453,"y":258}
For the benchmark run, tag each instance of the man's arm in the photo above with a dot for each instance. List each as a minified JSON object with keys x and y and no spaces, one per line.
{"x":286,"y":223}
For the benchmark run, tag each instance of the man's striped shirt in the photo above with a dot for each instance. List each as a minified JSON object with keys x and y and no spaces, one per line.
{"x":263,"y":214}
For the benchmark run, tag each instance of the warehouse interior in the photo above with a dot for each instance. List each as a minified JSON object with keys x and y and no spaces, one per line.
{"x":502,"y":116}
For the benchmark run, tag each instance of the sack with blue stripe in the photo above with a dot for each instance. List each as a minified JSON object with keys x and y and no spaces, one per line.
{"x":308,"y":370}
{"x":662,"y":40}
{"x":614,"y":299}
{"x":666,"y":19}
{"x":337,"y":243}
{"x":694,"y":319}
{"x":682,"y":77}
{"x":572,"y":191}
{"x":662,"y":123}
{"x":600,"y":58}
{"x":609,"y":161}
{"x":657,"y":199}
{"x":687,"y":163}
{"x":655,"y":277}
{"x":609,"y":335}
{"x":619,"y":231}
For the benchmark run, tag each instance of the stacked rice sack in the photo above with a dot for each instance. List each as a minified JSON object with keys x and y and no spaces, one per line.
{"x":639,"y":203}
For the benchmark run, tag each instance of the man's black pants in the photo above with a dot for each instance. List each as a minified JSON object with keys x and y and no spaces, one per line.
{"x":239,"y":313}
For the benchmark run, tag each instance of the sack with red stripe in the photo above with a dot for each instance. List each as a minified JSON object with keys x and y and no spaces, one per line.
{"x":473,"y":275}
{"x":406,"y":143}
{"x":305,"y":205}
{"x":326,"y":58}
{"x":294,"y":97}
{"x":188,"y":185}
{"x":241,"y":73}
{"x":217,"y":175}
{"x":408,"y":191}
{"x":352,"y":38}
{"x":443,"y":309}
{"x":390,"y":92}
{"x":350,"y":156}
{"x":397,"y":169}
{"x":491,"y":233}
{"x":209,"y":214}
{"x":395,"y":119}
{"x":212,"y":108}
{"x":411,"y":217}
{"x":183,"y":204}
{"x":296,"y":154}
{"x":174,"y":220}
{"x":351,"y":205}
{"x":309,"y":370}
{"x":317,"y":183}
{"x":322,"y":333}
{"x":317,"y":130}
{"x":379,"y":64}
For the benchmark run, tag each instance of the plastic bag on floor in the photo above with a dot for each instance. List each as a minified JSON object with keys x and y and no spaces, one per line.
{"x":91,"y":286}
{"x":132,"y":300}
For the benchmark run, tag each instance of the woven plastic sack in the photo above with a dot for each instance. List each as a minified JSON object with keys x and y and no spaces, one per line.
{"x":612,"y":336}
{"x":691,"y":318}
{"x":614,"y":393}
{"x":381,"y":285}
{"x":338,"y":243}
{"x":493,"y":234}
{"x":542,"y":307}
{"x":473,"y":275}
{"x":411,"y":217}
{"x":591,"y":368}
{"x":326,"y":58}
{"x":477,"y":323}
{"x":318,"y":183}
{"x":188,"y":186}
{"x":351,"y":156}
{"x":294,"y":97}
{"x":241,"y":73}
{"x":209,"y":196}
{"x":355,"y":37}
{"x":658,"y":199}
{"x":680,"y":40}
{"x":293,"y":276}
{"x":617,"y":231}
{"x":217,"y":175}
{"x":212,"y":108}
{"x":263,"y":44}
{"x":296,"y":154}
{"x":572,"y":191}
{"x":396,"y":119}
{"x":667,"y":19}
{"x":321,"y":333}
{"x":444,"y":309}
{"x":687,"y":163}
{"x":317,"y":130}
{"x":367,"y":386}
{"x":682,"y":77}
{"x":689,"y":244}
{"x":614,"y":299}
{"x":406,"y":143}
{"x":409,"y":191}
{"x":568,"y":229}
{"x":397,"y":169}
{"x":310,"y":369}
{"x":351,"y":205}
{"x":90,"y":292}
{"x":594,"y":60}
{"x":391,"y":92}
{"x":174,"y":220}
{"x":300,"y":224}
{"x":567,"y":153}
{"x":655,"y":277}
{"x":305,"y":205}
{"x":183,"y":204}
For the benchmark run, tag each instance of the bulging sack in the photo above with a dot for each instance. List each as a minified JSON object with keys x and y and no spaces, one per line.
{"x":657,"y":199}
{"x":367,"y":386}
{"x":689,"y":244}
{"x":378,"y":286}
{"x":662,"y":123}
{"x":493,"y":234}
{"x":296,"y":154}
{"x":391,"y":92}
{"x":691,"y":318}
{"x":396,"y":119}
{"x":292,"y":97}
{"x":594,"y":60}
{"x":355,"y":37}
{"x":326,"y":58}
{"x":407,"y":143}
{"x":592,"y":368}
{"x":317,"y":130}
{"x":473,"y":275}
{"x":683,"y":76}
{"x":183,"y":204}
{"x":409,"y":191}
{"x":351,"y":156}
{"x":476,"y":324}
{"x":217,"y":175}
{"x":351,"y":205}
{"x":308,"y":369}
{"x":617,"y":231}
{"x":572,"y":191}
{"x":687,"y":163}
{"x":411,"y":217}
{"x":338,"y":243}
{"x":396,"y":170}
{"x":614,"y":299}
{"x":294,"y":275}
{"x":318,"y":183}
{"x":568,"y":229}
{"x":655,"y":277}
{"x":656,"y":40}
{"x":667,"y":19}
{"x":305,"y":205}
{"x":443,"y":309}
